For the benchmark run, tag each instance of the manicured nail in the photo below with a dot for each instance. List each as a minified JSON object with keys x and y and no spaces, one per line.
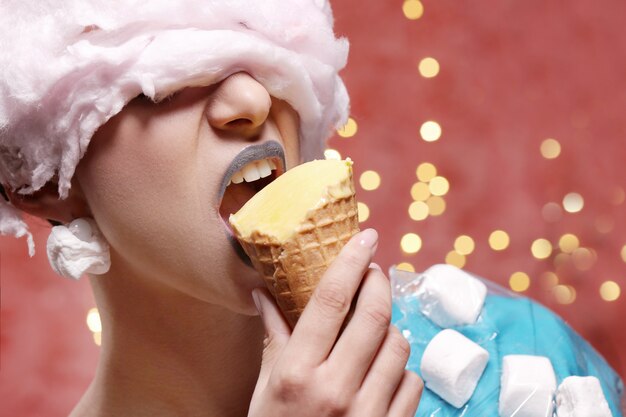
{"x":257,"y":301}
{"x":374,"y":265}
{"x":368,"y":238}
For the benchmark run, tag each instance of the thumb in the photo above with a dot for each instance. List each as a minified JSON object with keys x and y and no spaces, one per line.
{"x":277,"y":331}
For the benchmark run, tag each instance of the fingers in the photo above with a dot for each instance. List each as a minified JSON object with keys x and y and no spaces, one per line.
{"x":385,"y":374}
{"x":407,"y":396}
{"x":276,"y":329}
{"x":368,"y":327}
{"x":316,"y":331}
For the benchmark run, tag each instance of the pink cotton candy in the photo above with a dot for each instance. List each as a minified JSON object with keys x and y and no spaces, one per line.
{"x":68,"y":66}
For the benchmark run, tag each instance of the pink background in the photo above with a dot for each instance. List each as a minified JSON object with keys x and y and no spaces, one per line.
{"x":513,"y":73}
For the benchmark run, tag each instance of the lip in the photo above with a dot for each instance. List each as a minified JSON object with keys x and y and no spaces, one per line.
{"x":267,"y":150}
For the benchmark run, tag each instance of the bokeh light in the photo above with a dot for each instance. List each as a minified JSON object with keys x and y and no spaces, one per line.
{"x":583,"y":259}
{"x":499,"y":240}
{"x":420,"y":191}
{"x":363,"y":211}
{"x":412,"y":9}
{"x":411,"y":243}
{"x":456,"y":259}
{"x":332,"y":154}
{"x":541,"y":248}
{"x":573,"y":202}
{"x":552,"y":212}
{"x":436,"y":206}
{"x":623,"y":253}
{"x":93,"y":320}
{"x":564,"y":294}
{"x":550,"y":148}
{"x":464,"y":245}
{"x":618,"y":196}
{"x":405,"y":266}
{"x":349,"y":129}
{"x":430,"y":131}
{"x":568,"y":243}
{"x":426,"y":172}
{"x":428,"y":67}
{"x":610,"y":290}
{"x":418,"y":210}
{"x":519,"y":281}
{"x":370,"y":180}
{"x":549,"y":280}
{"x":439,"y":186}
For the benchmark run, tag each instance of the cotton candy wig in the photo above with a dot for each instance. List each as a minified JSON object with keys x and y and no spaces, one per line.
{"x":68,"y":66}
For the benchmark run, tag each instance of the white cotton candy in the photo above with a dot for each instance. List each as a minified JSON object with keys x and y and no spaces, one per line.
{"x":451,"y":366}
{"x":581,"y":397}
{"x":527,"y":386}
{"x":71,"y":254}
{"x":450,"y":296}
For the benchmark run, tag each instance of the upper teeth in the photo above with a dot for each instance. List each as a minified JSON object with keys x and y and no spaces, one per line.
{"x":253,"y":171}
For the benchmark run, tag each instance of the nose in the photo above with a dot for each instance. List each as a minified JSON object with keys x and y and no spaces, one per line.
{"x":239,"y":105}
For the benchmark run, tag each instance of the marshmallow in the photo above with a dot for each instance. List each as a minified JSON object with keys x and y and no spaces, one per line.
{"x":452,"y":365}
{"x":450,"y":297}
{"x":581,"y":397}
{"x":527,"y":386}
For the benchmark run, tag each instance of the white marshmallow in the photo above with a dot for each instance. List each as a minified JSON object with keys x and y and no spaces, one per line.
{"x":527,"y":386}
{"x":452,"y":365}
{"x":581,"y":397}
{"x":450,"y":297}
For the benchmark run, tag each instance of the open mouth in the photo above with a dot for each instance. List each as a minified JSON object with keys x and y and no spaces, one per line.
{"x":251,"y":171}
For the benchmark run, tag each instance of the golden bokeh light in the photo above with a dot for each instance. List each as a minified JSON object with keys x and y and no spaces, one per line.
{"x":426,"y":171}
{"x":610,"y":290}
{"x":405,"y":266}
{"x":411,"y":243}
{"x":349,"y":129}
{"x":97,"y":338}
{"x":332,"y":154}
{"x":428,"y":67}
{"x":363,"y":211}
{"x":93,"y":320}
{"x":573,"y":202}
{"x":436,"y":206}
{"x":464,"y":245}
{"x":370,"y":180}
{"x":564,"y":294}
{"x":583,"y":259}
{"x":519,"y":281}
{"x":439,"y":186}
{"x":418,"y":210}
{"x":618,"y":196}
{"x":420,"y":191}
{"x":455,"y":259}
{"x":552,"y":212}
{"x":623,"y":253}
{"x":549,"y":280}
{"x":499,"y":240}
{"x":569,"y":243}
{"x":550,"y":148}
{"x":430,"y":131}
{"x":412,"y":9}
{"x":541,"y":248}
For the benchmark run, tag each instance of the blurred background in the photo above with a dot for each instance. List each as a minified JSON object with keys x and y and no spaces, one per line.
{"x":488,"y":135}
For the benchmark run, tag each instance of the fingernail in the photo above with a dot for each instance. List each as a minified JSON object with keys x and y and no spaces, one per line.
{"x":257,"y":301}
{"x":374,"y":265}
{"x":368,"y":238}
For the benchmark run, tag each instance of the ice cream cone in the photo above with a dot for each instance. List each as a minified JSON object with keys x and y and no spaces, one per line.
{"x":291,"y":268}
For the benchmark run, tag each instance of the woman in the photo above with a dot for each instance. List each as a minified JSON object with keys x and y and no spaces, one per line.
{"x":137,"y":115}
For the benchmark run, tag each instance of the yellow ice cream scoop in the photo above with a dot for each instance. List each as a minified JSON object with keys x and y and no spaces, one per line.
{"x":294,"y":227}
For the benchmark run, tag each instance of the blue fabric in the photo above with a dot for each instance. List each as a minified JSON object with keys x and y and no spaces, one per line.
{"x":507,"y":325}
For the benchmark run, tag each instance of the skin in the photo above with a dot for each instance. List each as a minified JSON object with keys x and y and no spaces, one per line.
{"x":187,"y":327}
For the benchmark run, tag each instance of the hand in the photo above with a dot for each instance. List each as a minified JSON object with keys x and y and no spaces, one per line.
{"x":314,"y":371}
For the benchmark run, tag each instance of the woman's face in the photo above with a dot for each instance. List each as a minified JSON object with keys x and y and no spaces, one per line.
{"x":155,"y":180}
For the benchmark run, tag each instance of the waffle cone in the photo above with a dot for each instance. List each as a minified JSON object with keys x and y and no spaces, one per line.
{"x":291,"y":270}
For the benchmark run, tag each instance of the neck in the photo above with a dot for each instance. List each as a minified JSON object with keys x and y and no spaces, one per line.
{"x":167,"y":353}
